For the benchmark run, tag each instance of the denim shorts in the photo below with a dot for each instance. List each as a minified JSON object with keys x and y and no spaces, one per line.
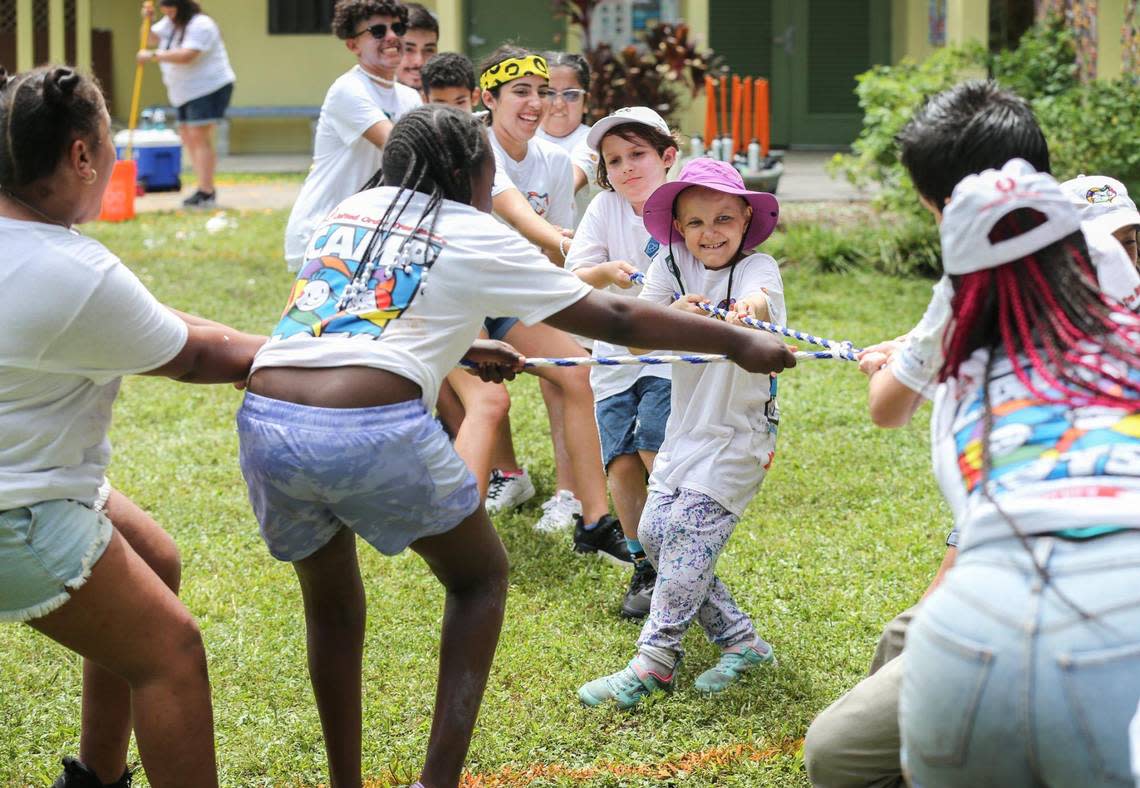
{"x":1007,"y":682}
{"x":387,"y":473}
{"x":634,"y":420}
{"x":497,"y":327}
{"x":206,"y":109}
{"x":46,"y":551}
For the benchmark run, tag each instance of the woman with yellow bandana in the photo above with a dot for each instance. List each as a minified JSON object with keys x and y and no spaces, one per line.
{"x":515,"y":85}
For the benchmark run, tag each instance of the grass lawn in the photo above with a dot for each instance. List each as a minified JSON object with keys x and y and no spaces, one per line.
{"x":847,"y":531}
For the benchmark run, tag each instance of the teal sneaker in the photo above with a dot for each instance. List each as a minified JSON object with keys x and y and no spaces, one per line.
{"x":732,"y":665}
{"x":626,"y":687}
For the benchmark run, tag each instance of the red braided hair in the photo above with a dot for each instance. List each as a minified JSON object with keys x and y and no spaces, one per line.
{"x":1047,"y":313}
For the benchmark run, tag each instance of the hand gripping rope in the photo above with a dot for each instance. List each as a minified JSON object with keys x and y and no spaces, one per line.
{"x":844,"y":351}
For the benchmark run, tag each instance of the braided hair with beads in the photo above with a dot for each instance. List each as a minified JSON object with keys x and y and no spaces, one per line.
{"x":432,"y":150}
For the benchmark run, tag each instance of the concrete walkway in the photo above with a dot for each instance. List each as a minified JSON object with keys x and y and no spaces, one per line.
{"x":805,"y":180}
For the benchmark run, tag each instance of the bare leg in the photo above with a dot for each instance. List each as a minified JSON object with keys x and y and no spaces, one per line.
{"x":628,"y":487}
{"x":449,"y":408}
{"x":106,"y":728}
{"x":126,"y":620}
{"x":471,"y":564}
{"x":199,"y":141}
{"x":486,"y":406}
{"x":581,"y":430}
{"x":334,"y":628}
{"x":503,"y":451}
{"x":563,"y":463}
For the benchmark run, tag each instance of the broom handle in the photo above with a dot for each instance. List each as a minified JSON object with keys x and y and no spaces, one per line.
{"x":132,"y":122}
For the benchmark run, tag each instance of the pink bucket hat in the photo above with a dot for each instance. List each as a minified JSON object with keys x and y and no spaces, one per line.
{"x":719,"y":176}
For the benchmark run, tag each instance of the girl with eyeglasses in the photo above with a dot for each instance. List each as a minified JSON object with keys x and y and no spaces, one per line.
{"x":566,"y":108}
{"x":356,"y":116}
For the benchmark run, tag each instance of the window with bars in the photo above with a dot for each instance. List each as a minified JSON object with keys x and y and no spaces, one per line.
{"x":300,"y":17}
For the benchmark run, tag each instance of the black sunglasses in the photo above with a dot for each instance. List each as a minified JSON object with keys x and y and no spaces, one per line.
{"x":381,"y":30}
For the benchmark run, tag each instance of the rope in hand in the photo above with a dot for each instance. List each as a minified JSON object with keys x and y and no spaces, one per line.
{"x":840,"y":350}
{"x":844,"y":351}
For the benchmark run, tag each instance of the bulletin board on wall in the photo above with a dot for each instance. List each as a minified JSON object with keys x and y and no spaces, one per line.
{"x":621,"y":22}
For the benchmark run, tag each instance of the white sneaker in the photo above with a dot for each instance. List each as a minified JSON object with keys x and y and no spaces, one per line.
{"x":559,"y":513}
{"x":507,"y":492}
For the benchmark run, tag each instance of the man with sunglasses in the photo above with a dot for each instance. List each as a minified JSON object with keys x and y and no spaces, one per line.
{"x":356,"y":117}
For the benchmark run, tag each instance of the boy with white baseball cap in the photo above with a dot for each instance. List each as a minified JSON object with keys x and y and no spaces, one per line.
{"x":1104,"y":204}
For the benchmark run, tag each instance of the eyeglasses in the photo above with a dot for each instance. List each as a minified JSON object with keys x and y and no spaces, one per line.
{"x":381,"y":30}
{"x":570,"y":95}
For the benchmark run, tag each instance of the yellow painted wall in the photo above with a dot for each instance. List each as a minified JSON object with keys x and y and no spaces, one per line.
{"x":967,"y":20}
{"x":910,"y":29}
{"x":1109,"y":22}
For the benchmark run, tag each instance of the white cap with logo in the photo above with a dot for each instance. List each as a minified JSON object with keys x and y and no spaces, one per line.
{"x":980,"y":201}
{"x":643,"y":115}
{"x":1102,"y":201}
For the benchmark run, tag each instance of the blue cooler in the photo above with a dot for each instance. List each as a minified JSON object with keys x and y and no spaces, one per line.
{"x":158,"y":153}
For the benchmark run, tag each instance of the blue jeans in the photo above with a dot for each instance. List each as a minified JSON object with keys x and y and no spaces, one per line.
{"x":1006,"y":684}
{"x":635,"y":419}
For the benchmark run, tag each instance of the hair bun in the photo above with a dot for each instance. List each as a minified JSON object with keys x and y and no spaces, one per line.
{"x":4,"y":78}
{"x":60,"y":84}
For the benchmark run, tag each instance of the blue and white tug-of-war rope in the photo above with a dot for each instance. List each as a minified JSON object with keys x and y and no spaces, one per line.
{"x":843,"y":351}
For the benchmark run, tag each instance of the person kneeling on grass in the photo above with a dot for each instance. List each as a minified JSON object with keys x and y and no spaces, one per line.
{"x":721,"y":436}
{"x":335,"y":434}
{"x":77,"y":321}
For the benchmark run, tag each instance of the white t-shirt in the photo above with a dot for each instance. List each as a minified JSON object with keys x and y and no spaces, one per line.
{"x":424,"y":307}
{"x":343,"y":160}
{"x":610,"y":230}
{"x":545,"y":177}
{"x":1054,"y":467}
{"x":204,"y":74}
{"x":77,"y":320}
{"x":583,"y":157}
{"x":916,"y":365}
{"x":721,"y":435}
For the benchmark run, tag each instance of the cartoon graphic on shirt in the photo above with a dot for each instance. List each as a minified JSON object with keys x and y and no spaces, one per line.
{"x":334,"y":257}
{"x":1035,"y":441}
{"x":1105,"y":194}
{"x":540,"y":203}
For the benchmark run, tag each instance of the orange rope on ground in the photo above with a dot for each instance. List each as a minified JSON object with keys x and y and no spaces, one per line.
{"x":510,"y":776}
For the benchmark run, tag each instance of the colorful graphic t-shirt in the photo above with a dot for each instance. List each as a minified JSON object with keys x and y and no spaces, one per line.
{"x":1054,"y":468}
{"x":427,"y":293}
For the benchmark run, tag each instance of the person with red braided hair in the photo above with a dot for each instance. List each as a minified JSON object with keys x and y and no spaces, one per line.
{"x":962,"y":131}
{"x":1023,"y":666}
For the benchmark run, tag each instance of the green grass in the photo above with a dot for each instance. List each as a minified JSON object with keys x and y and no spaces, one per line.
{"x":846,"y":531}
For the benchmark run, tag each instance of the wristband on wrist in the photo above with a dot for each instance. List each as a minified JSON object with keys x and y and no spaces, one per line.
{"x":564,"y":246}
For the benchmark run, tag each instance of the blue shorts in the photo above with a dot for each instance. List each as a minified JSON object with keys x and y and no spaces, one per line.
{"x":497,"y":327}
{"x":634,"y":420}
{"x":387,"y":473}
{"x":206,"y":109}
{"x":46,"y":551}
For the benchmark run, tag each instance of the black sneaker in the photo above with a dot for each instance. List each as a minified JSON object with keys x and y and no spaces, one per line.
{"x":605,"y":539}
{"x":635,"y":603}
{"x":76,"y":775}
{"x":201,"y":199}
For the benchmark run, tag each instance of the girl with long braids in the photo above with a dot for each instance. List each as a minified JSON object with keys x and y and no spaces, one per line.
{"x":1023,"y":666}
{"x":77,"y":321}
{"x":335,"y":432}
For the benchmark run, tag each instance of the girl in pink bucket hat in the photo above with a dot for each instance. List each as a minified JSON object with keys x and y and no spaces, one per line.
{"x":720,"y":438}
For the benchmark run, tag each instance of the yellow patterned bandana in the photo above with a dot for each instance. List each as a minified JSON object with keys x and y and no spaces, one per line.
{"x":512,"y":69}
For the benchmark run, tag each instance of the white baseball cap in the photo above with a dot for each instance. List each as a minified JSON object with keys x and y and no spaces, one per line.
{"x":980,"y":201}
{"x":642,"y":115}
{"x":1102,"y":201}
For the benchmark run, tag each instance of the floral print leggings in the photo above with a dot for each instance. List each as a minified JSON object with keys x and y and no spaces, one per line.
{"x":683,"y":535}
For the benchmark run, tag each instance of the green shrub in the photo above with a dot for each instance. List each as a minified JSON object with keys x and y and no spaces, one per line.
{"x":1091,"y":128}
